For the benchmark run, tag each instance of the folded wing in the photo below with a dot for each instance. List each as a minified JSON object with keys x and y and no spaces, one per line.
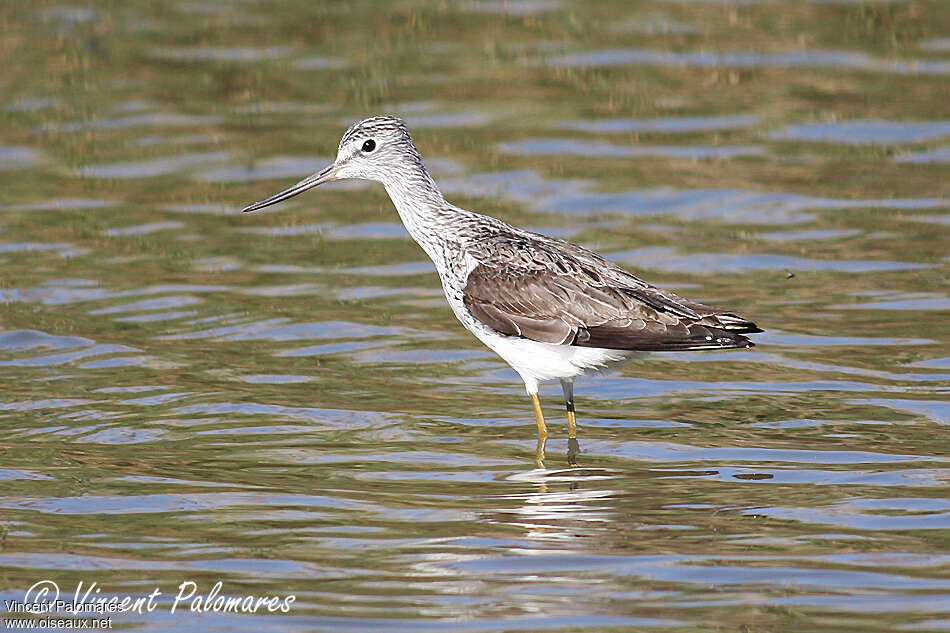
{"x":566,"y":300}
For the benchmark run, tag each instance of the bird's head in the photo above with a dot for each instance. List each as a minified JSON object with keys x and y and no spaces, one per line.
{"x":372,"y":149}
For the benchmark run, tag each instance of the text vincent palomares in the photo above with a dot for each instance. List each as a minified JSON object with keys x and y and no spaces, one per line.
{"x":44,"y":597}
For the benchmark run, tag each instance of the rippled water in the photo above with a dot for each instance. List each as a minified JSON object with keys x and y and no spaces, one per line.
{"x":282,"y":401}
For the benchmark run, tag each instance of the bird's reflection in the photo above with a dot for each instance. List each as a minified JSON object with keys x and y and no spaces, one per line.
{"x":565,"y":504}
{"x":573,"y":450}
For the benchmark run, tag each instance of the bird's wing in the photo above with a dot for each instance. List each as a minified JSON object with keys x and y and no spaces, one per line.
{"x":569,"y":296}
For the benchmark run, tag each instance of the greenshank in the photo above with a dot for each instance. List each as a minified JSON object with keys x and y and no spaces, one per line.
{"x":551,"y":309}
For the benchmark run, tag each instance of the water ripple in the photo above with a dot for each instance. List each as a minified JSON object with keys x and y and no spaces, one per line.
{"x":580,"y":197}
{"x":573,"y":147}
{"x":670,"y":125}
{"x":154,"y":167}
{"x":866,"y":132}
{"x":666,"y":258}
{"x":844,"y":60}
{"x":220,"y":53}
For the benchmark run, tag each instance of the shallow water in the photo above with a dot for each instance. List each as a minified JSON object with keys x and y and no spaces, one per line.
{"x":282,"y":401}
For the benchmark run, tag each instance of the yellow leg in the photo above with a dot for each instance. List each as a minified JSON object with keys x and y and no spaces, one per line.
{"x":539,"y":416}
{"x":542,"y":430}
{"x":571,"y":423}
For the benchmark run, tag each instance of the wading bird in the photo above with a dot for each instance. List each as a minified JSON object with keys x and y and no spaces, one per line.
{"x":551,"y":309}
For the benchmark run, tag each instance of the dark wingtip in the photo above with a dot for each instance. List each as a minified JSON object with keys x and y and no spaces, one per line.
{"x":746,"y":328}
{"x":735,"y":324}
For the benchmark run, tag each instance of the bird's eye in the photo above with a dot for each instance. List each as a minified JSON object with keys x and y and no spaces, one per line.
{"x":369,"y":146}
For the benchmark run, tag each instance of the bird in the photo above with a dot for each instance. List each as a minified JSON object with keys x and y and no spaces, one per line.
{"x":551,"y":309}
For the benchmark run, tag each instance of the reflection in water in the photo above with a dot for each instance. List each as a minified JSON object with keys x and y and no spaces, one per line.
{"x":566,"y":505}
{"x":141,"y":229}
{"x":795,"y":59}
{"x":175,"y":164}
{"x":609,"y":150}
{"x":582,"y":197}
{"x":712,"y":263}
{"x":150,"y":119}
{"x":512,"y":7}
{"x":939,"y":155}
{"x":670,"y":125}
{"x":462,"y":119}
{"x":60,"y":204}
{"x":573,"y":450}
{"x":18,"y":157}
{"x":274,"y":168}
{"x":939,"y":44}
{"x":866,"y":132}
{"x":320,"y":63}
{"x":237,"y":54}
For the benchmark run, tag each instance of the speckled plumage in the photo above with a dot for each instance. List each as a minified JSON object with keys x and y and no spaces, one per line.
{"x":551,"y":309}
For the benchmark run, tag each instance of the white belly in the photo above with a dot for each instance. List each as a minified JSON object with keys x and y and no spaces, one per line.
{"x":540,"y":362}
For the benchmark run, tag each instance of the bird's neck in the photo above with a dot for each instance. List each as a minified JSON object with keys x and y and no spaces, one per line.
{"x":421,"y":207}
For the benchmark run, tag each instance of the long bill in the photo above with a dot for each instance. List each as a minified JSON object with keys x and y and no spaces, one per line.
{"x":309,"y":182}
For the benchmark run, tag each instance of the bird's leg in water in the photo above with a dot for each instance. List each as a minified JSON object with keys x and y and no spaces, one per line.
{"x":542,"y":429}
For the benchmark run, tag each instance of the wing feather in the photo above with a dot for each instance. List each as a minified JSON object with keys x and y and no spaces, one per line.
{"x":556,"y":297}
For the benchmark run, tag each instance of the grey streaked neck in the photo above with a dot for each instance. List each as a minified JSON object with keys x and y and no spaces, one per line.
{"x":421,"y":206}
